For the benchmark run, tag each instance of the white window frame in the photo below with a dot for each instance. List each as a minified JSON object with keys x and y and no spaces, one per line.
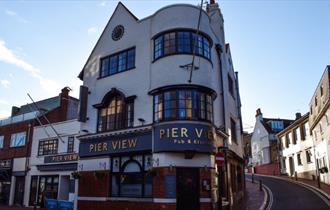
{"x":2,"y":141}
{"x":13,"y":139}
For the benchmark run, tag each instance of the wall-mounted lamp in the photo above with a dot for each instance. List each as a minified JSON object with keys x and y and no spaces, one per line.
{"x":142,"y":121}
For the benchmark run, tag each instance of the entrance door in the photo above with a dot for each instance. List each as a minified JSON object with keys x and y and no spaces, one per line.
{"x":19,"y":190}
{"x":291,"y":163}
{"x":187,"y":188}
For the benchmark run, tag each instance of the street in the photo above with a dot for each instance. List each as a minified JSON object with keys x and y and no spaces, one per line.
{"x":291,"y":196}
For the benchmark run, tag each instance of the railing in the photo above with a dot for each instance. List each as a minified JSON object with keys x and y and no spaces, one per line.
{"x":19,"y":118}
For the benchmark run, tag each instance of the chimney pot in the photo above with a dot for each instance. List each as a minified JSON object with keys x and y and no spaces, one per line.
{"x":212,"y":1}
{"x":298,"y":115}
{"x":258,"y":112}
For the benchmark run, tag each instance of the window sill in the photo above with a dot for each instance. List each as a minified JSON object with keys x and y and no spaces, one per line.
{"x":309,"y":162}
{"x":130,"y":199}
{"x":16,"y":147}
{"x":116,"y":73}
{"x":164,"y":56}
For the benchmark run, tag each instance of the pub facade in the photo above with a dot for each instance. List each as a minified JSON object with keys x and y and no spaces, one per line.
{"x":150,"y":130}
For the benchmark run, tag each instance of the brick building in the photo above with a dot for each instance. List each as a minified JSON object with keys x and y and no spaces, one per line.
{"x":150,"y":130}
{"x":16,"y":134}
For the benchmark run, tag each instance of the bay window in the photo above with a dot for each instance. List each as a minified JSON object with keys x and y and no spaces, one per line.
{"x":183,"y":104}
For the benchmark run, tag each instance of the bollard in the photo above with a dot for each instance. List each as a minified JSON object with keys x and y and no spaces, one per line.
{"x":318,"y":182}
{"x":295,"y":176}
{"x":260,"y":185}
{"x":252,"y":178}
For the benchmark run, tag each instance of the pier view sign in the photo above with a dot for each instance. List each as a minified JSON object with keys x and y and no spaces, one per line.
{"x":184,"y":136}
{"x":115,"y":144}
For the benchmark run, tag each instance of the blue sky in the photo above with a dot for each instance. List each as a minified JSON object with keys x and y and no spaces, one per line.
{"x":279,"y":48}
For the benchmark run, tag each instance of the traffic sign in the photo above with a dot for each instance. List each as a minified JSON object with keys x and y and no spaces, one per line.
{"x":220,"y":158}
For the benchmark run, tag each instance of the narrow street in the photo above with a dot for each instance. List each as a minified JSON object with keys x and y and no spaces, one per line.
{"x":291,"y":196}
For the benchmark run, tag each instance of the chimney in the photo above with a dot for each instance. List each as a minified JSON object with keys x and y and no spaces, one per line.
{"x":64,"y":102}
{"x":212,"y":2}
{"x":14,"y":110}
{"x":259,"y":114}
{"x":298,"y":115}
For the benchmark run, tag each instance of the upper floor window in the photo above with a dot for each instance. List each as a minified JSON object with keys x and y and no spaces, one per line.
{"x":288,"y":140}
{"x":231,"y":85}
{"x":321,"y":90}
{"x":308,"y":156}
{"x":180,"y":104}
{"x":18,"y":139}
{"x":182,"y":42}
{"x":48,"y":147}
{"x":299,"y":158}
{"x":122,"y":61}
{"x":233,"y":130}
{"x":1,"y":142}
{"x":70,"y":144}
{"x":295,"y":136}
{"x":315,"y":100}
{"x":116,"y":113}
{"x":303,"y":131}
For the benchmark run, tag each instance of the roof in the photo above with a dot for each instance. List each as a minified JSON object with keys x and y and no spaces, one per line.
{"x":265,"y":121}
{"x":46,"y":105}
{"x":295,"y":123}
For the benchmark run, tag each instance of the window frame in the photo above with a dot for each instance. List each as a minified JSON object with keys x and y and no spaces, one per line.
{"x":15,"y":134}
{"x":308,"y":156}
{"x":117,"y":54}
{"x":204,"y":36}
{"x":70,"y":146}
{"x":143,"y":171}
{"x":129,"y":101}
{"x":2,"y":142}
{"x":201,"y":107}
{"x":41,"y":143}
{"x":299,"y":161}
{"x":233,"y":126}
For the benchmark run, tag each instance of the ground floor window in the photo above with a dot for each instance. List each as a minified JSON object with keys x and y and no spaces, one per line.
{"x":130,"y":176}
{"x":48,"y":188}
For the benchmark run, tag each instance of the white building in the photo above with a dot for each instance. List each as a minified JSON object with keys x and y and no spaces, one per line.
{"x":319,"y":124}
{"x":144,"y":118}
{"x":297,"y":149}
{"x":264,"y":140}
{"x":54,"y":157}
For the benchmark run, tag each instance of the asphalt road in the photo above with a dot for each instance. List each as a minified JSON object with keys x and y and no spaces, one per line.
{"x":291,"y":196}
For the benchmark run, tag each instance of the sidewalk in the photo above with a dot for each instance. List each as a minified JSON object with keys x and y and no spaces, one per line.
{"x":2,"y":207}
{"x":253,"y":197}
{"x":324,"y":187}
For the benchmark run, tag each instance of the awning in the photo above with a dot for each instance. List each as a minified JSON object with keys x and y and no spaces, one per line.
{"x":58,"y":167}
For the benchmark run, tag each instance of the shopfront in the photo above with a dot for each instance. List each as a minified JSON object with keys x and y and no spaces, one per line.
{"x":5,"y":180}
{"x":53,"y":179}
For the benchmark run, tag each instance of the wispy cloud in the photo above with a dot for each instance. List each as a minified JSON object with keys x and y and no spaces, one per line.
{"x":10,"y":13}
{"x":103,"y":4}
{"x":5,"y":83}
{"x":92,"y":30}
{"x":15,"y":15}
{"x":4,"y":114}
{"x":7,"y":56}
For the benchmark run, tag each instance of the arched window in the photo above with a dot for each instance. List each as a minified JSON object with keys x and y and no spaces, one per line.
{"x":115,"y":112}
{"x":132,"y":180}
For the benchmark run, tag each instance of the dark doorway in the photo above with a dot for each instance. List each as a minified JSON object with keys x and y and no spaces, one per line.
{"x":291,"y":165}
{"x":187,"y":188}
{"x":19,"y":190}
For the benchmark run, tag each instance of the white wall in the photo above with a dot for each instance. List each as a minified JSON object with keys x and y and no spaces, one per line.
{"x":260,"y":145}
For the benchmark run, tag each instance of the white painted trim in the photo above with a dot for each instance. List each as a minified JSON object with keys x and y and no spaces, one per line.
{"x":164,"y":200}
{"x":129,"y":199}
{"x":205,"y":200}
{"x":92,"y":198}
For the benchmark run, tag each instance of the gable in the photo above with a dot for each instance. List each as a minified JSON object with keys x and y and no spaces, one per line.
{"x":121,"y":16}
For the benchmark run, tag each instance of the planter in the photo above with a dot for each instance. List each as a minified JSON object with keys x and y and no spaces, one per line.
{"x":76,"y":175}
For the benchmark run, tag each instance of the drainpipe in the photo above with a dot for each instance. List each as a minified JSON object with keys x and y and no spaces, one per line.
{"x":219,"y":50}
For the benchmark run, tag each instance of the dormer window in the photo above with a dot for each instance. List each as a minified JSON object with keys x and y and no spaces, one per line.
{"x":115,"y":112}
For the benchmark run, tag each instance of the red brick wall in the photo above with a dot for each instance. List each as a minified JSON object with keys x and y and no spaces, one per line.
{"x":7,"y":130}
{"x":267,"y":169}
{"x":158,"y":185}
{"x":93,"y":186}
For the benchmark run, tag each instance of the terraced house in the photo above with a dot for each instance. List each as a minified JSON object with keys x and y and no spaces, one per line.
{"x":159,"y":98}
